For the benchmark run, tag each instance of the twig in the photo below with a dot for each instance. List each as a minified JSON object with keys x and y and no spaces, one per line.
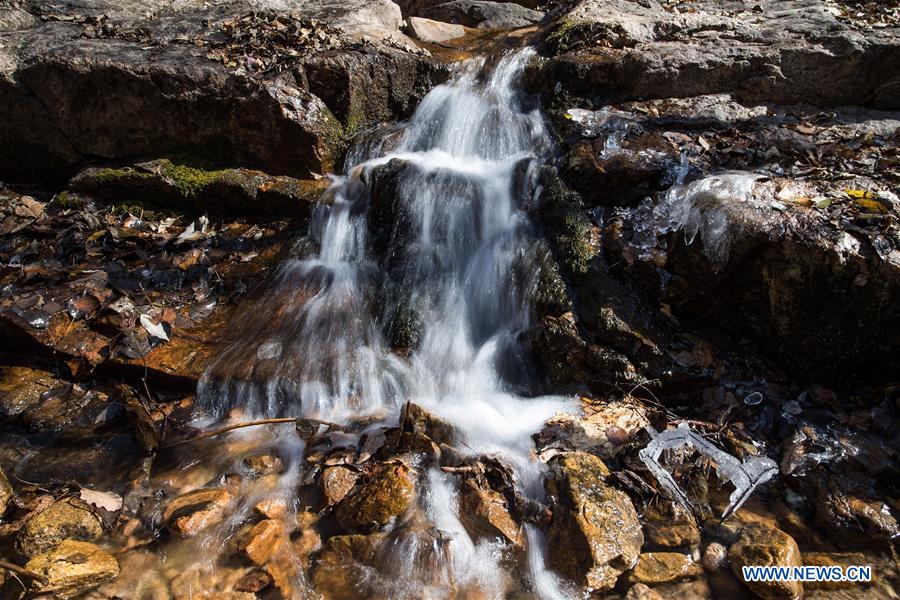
{"x":22,"y":571}
{"x":216,"y":432}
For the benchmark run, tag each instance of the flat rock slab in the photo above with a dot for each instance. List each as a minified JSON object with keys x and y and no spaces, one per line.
{"x":801,"y":52}
{"x":434,"y":32}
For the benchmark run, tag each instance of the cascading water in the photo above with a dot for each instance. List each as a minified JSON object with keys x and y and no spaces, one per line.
{"x":426,"y":228}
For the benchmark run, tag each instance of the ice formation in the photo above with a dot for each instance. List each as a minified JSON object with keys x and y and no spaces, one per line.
{"x":745,"y":476}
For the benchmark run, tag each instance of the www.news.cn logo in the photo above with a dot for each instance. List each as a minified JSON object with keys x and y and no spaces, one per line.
{"x":809,"y":573}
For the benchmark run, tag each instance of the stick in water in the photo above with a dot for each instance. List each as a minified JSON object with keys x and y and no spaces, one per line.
{"x":22,"y":571}
{"x":209,"y":434}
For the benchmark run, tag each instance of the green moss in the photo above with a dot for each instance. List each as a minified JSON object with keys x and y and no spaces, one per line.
{"x":106,"y":177}
{"x":189,"y":180}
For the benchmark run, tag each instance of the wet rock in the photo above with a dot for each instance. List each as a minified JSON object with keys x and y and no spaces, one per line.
{"x":271,"y":508}
{"x":191,"y":513}
{"x":594,"y":522}
{"x":415,"y":420}
{"x":336,"y":483}
{"x":847,"y":506}
{"x":69,"y":518}
{"x":263,"y":464}
{"x":670,"y":526}
{"x":572,"y":362}
{"x":484,"y":15}
{"x":485,"y":514}
{"x":835,"y":559}
{"x":663,"y":567}
{"x":378,"y":502}
{"x":261,"y":541}
{"x":198,"y":583}
{"x":433,"y":32}
{"x":197,"y":188}
{"x":341,"y":562}
{"x":640,"y":591}
{"x":21,"y":389}
{"x":766,"y":546}
{"x":6,"y":492}
{"x":72,"y":568}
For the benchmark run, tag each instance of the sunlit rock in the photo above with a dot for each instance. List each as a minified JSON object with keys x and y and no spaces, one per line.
{"x":69,"y":518}
{"x":594,"y":525}
{"x":761,"y":545}
{"x":72,"y":568}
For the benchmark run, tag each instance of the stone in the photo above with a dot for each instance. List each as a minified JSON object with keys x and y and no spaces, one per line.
{"x":262,"y":541}
{"x":604,"y":427}
{"x":72,"y":568}
{"x":715,"y":557}
{"x":21,"y":389}
{"x":483,"y":15}
{"x":336,"y":482}
{"x":271,"y":508}
{"x":7,"y":494}
{"x":848,"y":507}
{"x":341,"y":563}
{"x":761,"y":545}
{"x":65,"y":519}
{"x":663,"y":567}
{"x":377,"y":503}
{"x":836,"y":559}
{"x":263,"y":464}
{"x":191,"y":513}
{"x":485,"y":514}
{"x":670,"y":526}
{"x":197,"y":188}
{"x":595,"y":523}
{"x":640,"y":591}
{"x":434,"y":32}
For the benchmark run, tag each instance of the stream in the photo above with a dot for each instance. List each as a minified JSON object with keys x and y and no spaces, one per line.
{"x":314,"y":345}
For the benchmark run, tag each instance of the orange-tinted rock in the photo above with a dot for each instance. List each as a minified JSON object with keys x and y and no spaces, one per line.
{"x":484,"y":514}
{"x":191,"y":513}
{"x":378,"y":502}
{"x":761,"y":545}
{"x":262,"y":541}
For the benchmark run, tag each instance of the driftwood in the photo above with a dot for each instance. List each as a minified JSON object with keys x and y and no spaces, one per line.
{"x":215,"y":432}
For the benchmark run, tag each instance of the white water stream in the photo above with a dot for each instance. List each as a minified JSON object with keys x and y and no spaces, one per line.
{"x":460,"y":258}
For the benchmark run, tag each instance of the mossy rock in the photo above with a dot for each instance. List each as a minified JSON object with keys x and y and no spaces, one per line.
{"x":191,"y":187}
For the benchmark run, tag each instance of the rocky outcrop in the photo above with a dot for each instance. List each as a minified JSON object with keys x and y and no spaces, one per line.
{"x":612,"y":50}
{"x":595,"y":522}
{"x":433,"y":32}
{"x":111,"y":82}
{"x":191,"y":513}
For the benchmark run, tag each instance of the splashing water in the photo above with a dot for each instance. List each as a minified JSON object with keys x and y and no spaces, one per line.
{"x":426,"y":225}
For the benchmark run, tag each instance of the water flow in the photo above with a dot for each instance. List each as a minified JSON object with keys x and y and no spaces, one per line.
{"x":427,"y":228}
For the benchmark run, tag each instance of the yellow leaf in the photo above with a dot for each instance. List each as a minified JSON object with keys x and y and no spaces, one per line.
{"x":861,"y":195}
{"x":871,"y":206}
{"x":96,"y":235}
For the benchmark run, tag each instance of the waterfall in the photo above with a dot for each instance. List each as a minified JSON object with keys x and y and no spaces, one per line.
{"x":428,"y":225}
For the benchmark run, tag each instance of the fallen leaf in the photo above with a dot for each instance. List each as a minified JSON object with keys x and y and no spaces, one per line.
{"x":154,"y":329}
{"x":105,"y":500}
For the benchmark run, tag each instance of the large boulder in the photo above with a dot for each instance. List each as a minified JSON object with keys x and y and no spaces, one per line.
{"x":611,"y":50}
{"x":119,"y":81}
{"x":595,"y":526}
